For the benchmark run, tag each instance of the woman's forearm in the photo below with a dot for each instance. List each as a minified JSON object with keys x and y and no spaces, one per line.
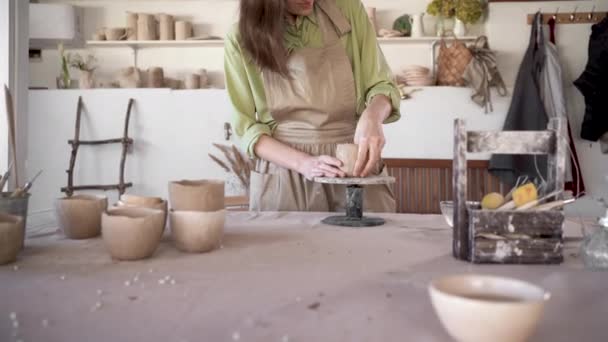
{"x":278,"y":153}
{"x":379,"y":108}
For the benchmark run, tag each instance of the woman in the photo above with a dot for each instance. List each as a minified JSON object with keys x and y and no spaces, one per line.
{"x":304,"y":76}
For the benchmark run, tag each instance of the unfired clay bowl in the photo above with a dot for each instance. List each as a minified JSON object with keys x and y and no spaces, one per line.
{"x":196,"y":231}
{"x":197,"y":195}
{"x":140,"y":201}
{"x":131,"y":233}
{"x":144,"y":202}
{"x":79,"y":216}
{"x":347,"y":154}
{"x":11,"y":237}
{"x":477,"y":308}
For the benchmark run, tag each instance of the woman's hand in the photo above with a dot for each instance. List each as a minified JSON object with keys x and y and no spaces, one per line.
{"x":369,"y":135}
{"x":320,"y":166}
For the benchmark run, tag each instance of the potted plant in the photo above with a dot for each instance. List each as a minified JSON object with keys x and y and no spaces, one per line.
{"x":465,"y":12}
{"x":86,"y":66}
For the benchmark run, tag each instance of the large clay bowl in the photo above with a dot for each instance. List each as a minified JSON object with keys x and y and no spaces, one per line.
{"x":79,"y":216}
{"x":11,"y":237}
{"x":131,"y":233}
{"x":197,"y":195}
{"x":197,"y":231}
{"x":478,"y":308}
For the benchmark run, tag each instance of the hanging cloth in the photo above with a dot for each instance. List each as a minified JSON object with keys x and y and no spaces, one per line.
{"x":526,"y":112}
{"x":552,"y":92}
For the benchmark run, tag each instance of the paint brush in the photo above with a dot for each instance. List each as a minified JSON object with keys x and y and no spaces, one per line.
{"x":532,"y":204}
{"x":4,"y":178}
{"x":20,"y":191}
{"x":554,"y":204}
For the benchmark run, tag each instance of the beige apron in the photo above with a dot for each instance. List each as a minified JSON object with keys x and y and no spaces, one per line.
{"x":314,"y":111}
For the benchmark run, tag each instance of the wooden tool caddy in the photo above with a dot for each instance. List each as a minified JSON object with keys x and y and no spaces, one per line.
{"x":510,"y":236}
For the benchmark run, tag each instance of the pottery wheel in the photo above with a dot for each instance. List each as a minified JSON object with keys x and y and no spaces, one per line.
{"x":354,"y":201}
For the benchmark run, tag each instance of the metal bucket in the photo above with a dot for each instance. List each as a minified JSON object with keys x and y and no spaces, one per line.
{"x":15,"y":206}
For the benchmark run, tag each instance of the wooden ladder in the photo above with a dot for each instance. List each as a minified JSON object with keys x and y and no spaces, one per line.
{"x":76,"y":143}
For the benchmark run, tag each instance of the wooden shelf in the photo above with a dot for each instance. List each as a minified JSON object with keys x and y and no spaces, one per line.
{"x":429,"y":39}
{"x":135,"y":44}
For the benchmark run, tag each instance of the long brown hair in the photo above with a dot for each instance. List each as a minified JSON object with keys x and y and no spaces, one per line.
{"x":261,"y":28}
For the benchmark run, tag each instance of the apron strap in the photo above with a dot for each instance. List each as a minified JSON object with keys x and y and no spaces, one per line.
{"x":341,"y":23}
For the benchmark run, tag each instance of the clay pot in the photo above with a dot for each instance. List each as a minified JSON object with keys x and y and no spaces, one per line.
{"x":99,"y":36}
{"x":172,"y":83}
{"x":156,"y":203}
{"x":183,"y":30}
{"x":116,"y":33}
{"x":140,"y":200}
{"x":130,"y":78}
{"x":87,"y":80}
{"x":193,"y":81}
{"x":12,"y":232}
{"x":197,"y":195}
{"x":204,"y":79}
{"x":347,"y":153}
{"x":166,"y":27}
{"x":79,"y":216}
{"x":196,"y":231}
{"x":131,"y":26}
{"x":146,"y":27}
{"x":156,"y":77}
{"x":131,"y":233}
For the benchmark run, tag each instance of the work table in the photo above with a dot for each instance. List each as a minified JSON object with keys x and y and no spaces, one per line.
{"x":277,"y":277}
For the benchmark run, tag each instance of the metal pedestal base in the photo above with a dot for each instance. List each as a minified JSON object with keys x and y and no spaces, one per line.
{"x":354,"y":211}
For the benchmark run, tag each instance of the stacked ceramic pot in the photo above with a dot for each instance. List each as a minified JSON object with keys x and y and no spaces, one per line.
{"x":11,"y":237}
{"x":197,"y":214}
{"x":133,"y":228}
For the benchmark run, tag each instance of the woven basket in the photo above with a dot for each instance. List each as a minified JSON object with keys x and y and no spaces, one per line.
{"x":452,"y":62}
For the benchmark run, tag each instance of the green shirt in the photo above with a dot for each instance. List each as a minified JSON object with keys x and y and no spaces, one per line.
{"x":251,"y":118}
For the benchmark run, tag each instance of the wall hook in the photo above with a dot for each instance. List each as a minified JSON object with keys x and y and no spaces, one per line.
{"x":591,"y":15}
{"x":227,"y":131}
{"x":573,"y":15}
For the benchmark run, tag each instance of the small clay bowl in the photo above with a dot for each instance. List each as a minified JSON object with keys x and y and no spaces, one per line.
{"x":478,"y":308}
{"x":347,"y":154}
{"x":197,"y":195}
{"x":140,"y":200}
{"x":196,"y":231}
{"x":145,"y":202}
{"x":11,"y":237}
{"x":131,"y":233}
{"x":79,"y":216}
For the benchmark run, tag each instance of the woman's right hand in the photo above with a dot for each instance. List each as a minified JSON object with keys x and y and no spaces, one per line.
{"x":320,"y":166}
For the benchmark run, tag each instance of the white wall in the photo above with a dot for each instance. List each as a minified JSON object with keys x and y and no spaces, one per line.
{"x":505,"y":26}
{"x":5,"y":76}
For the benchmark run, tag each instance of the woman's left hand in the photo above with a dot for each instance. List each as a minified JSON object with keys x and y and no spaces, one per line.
{"x":369,"y":135}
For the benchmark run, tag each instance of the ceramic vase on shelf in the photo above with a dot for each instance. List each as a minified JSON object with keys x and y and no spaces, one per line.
{"x":460,"y":28}
{"x":440,"y":26}
{"x":87,"y":80}
{"x":417,"y":25}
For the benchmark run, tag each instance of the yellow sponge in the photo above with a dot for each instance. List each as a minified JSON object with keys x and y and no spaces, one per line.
{"x":492,"y":200}
{"x":525,"y":194}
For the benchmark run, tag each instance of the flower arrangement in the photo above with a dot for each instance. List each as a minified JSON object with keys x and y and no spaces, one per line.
{"x":65,"y":70}
{"x":78,"y":62}
{"x":467,"y":11}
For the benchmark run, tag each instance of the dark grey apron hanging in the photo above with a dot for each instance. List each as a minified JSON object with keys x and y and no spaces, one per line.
{"x":526,"y":113}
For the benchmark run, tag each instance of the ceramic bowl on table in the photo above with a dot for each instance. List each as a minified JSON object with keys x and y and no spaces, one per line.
{"x":479,"y":308}
{"x":197,"y":231}
{"x":197,"y":195}
{"x":131,"y":233}
{"x":79,"y":216}
{"x":11,"y":237}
